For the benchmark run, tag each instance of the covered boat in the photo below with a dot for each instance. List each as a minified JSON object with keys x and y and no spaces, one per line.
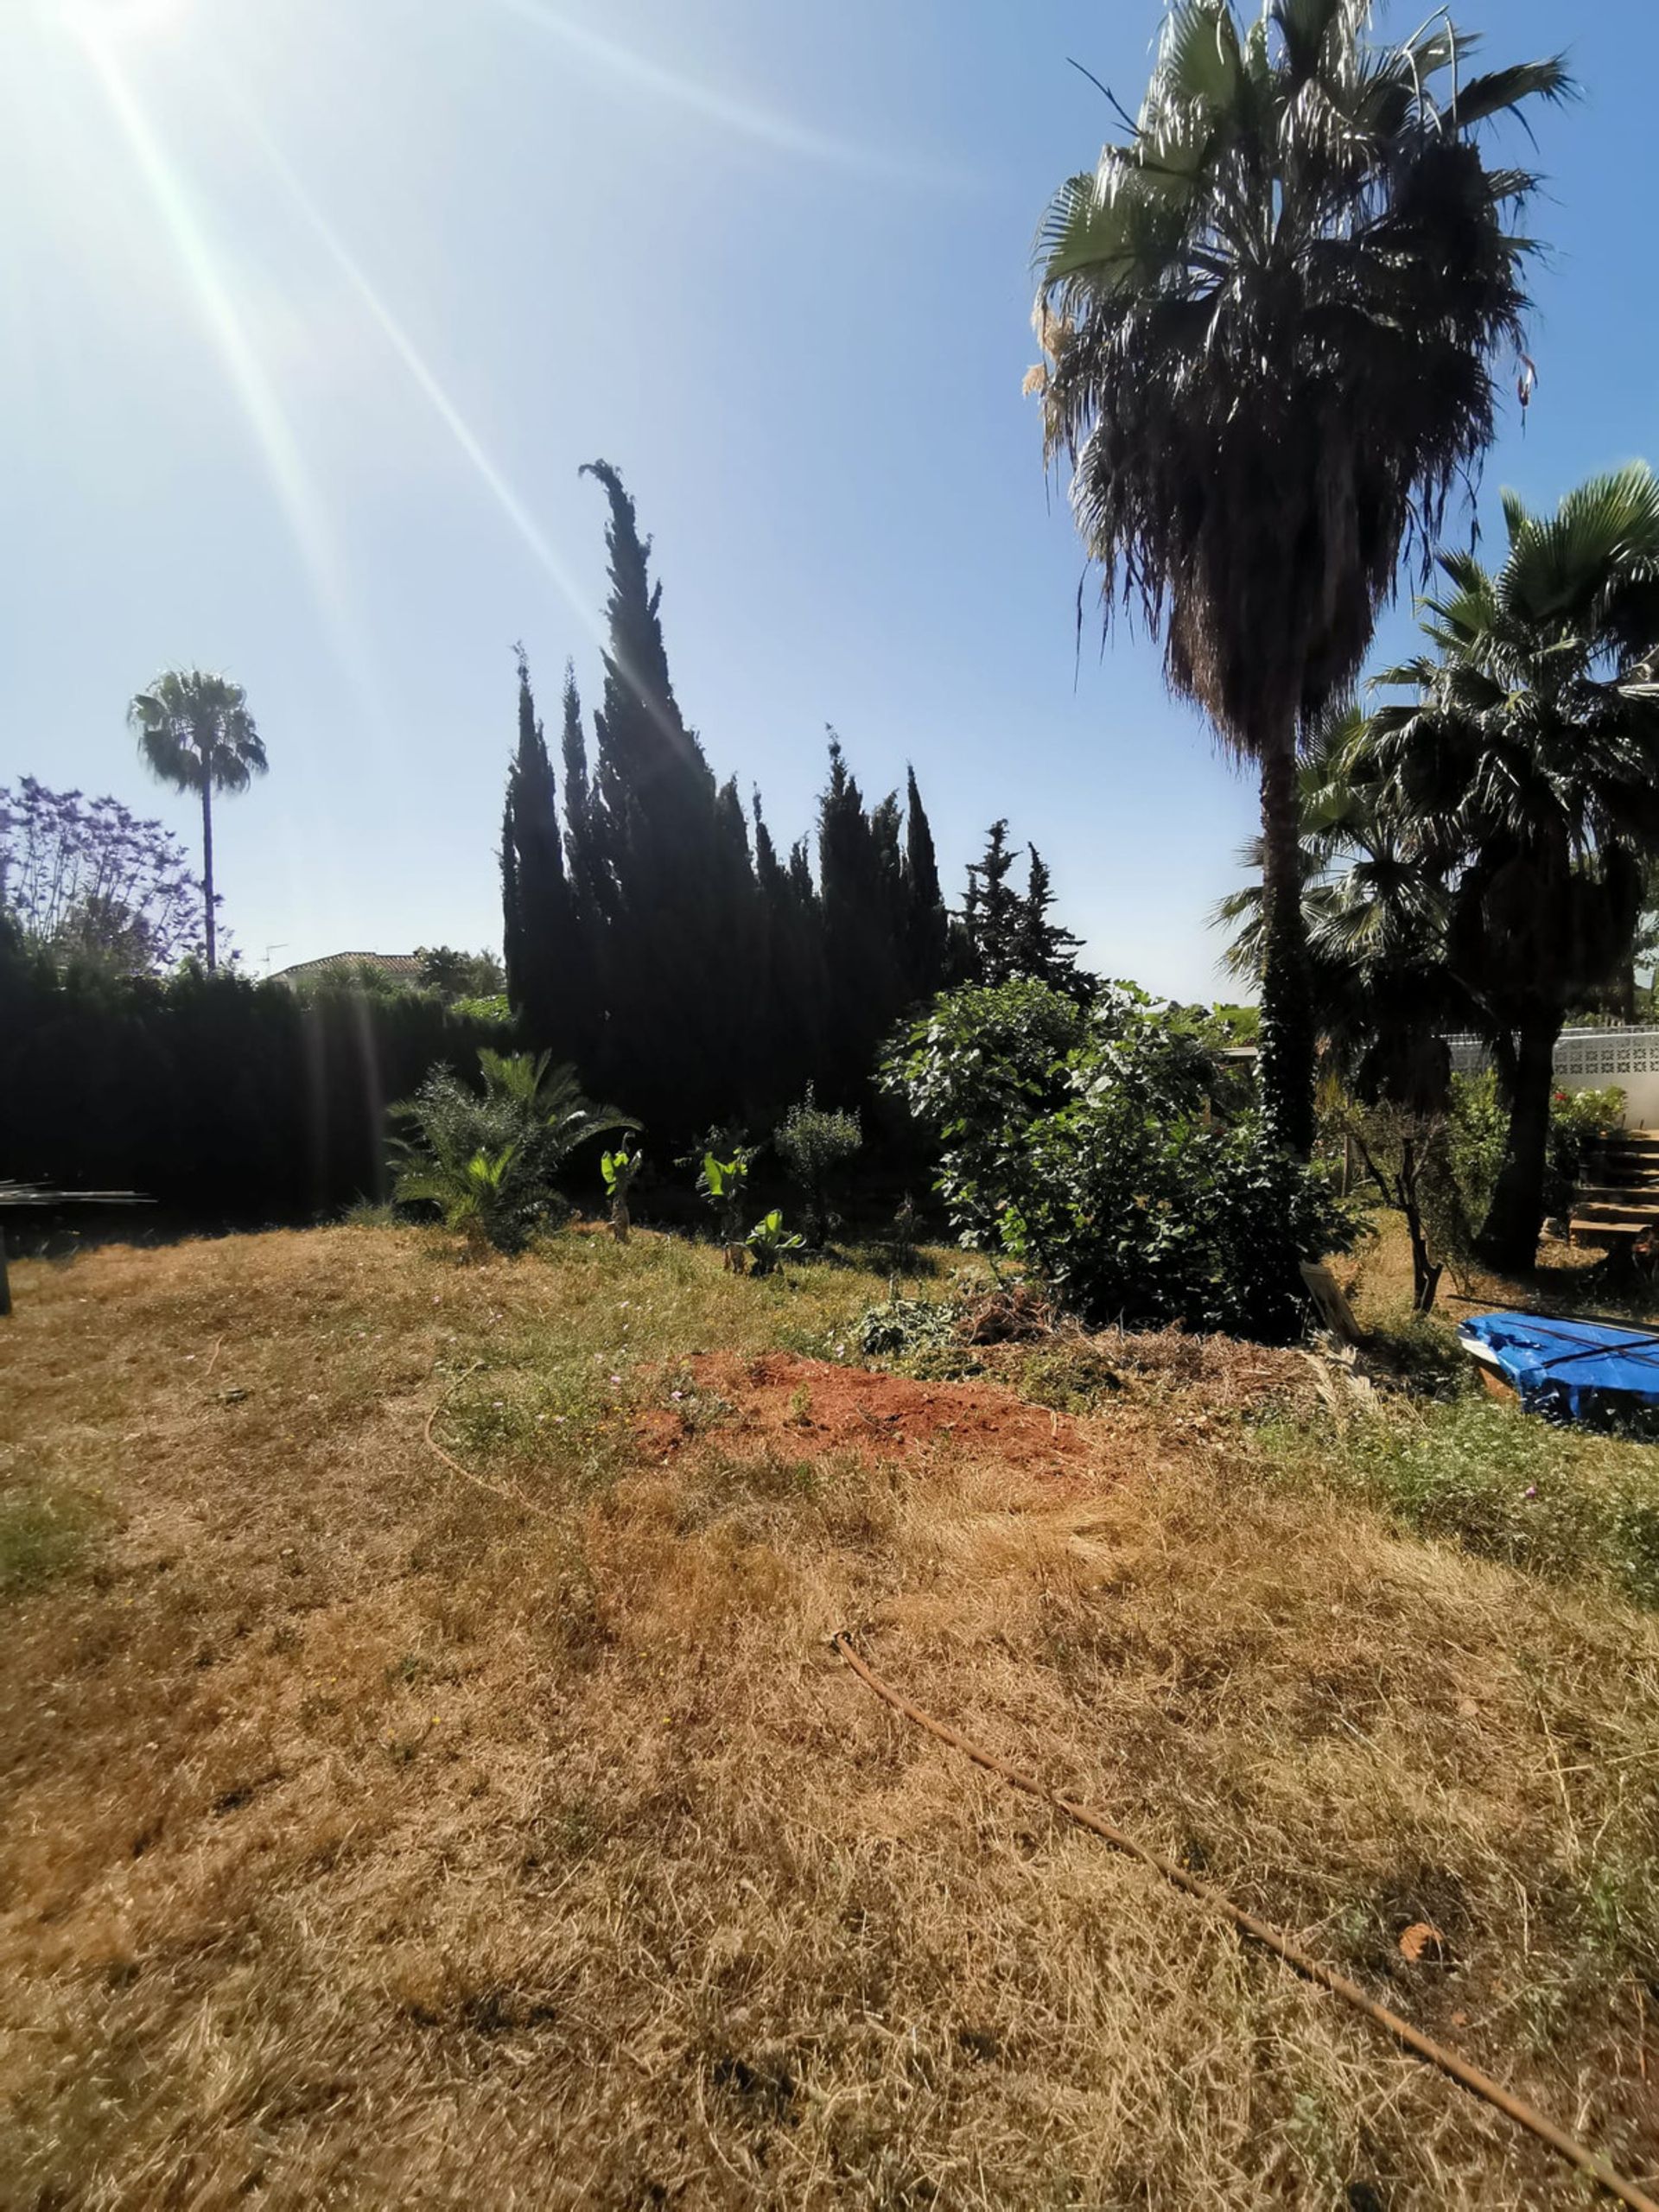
{"x":1600,"y":1373}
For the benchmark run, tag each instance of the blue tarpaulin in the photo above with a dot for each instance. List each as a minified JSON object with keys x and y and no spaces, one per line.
{"x":1592,"y":1371}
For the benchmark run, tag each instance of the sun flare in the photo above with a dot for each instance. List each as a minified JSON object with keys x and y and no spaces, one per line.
{"x":125,"y":19}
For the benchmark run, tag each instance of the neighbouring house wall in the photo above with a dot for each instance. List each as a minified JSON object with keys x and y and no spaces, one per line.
{"x":1592,"y":1059}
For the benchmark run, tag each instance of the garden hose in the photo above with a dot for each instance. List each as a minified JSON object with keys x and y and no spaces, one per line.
{"x":1273,"y":1939}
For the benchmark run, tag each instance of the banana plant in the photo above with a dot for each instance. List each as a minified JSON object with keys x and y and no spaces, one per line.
{"x":768,"y":1244}
{"x":722,"y":1183}
{"x":620,"y":1169}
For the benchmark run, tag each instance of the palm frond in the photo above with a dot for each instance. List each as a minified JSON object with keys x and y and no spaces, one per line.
{"x":1502,"y":91}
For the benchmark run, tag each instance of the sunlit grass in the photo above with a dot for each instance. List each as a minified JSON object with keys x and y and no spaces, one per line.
{"x":520,"y":1795}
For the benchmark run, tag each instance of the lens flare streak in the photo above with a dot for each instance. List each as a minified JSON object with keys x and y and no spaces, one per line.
{"x":263,"y":408}
{"x":523,"y":522}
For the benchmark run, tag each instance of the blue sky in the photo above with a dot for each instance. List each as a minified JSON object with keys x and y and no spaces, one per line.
{"x":309,"y":310}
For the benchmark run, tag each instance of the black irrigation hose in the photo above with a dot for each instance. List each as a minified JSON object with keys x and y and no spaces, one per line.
{"x":1274,"y":1939}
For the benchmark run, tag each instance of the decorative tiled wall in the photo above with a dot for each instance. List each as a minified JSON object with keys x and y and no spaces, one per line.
{"x":1590,"y":1060}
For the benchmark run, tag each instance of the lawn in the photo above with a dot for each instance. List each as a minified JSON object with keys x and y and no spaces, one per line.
{"x":428,"y":1782}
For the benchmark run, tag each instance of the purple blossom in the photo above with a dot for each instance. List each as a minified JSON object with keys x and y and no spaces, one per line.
{"x":89,"y":879}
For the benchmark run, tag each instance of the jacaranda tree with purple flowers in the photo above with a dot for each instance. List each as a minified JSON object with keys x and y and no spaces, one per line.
{"x":88,"y":879}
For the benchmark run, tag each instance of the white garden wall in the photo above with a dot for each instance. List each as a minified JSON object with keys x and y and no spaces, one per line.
{"x":1592,"y":1059}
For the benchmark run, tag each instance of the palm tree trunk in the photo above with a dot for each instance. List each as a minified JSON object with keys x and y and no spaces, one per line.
{"x":207,"y":875}
{"x":1287,"y":1028}
{"x":1509,"y":1241}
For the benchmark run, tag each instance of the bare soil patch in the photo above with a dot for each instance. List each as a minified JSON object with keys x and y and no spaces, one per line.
{"x":813,"y":1406}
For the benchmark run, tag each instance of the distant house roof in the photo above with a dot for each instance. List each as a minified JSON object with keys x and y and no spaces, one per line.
{"x":348,"y":964}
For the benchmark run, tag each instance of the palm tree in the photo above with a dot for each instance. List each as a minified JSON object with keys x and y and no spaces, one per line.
{"x":1374,"y":906}
{"x":1269,"y":319}
{"x":195,"y":733}
{"x":1525,"y":769}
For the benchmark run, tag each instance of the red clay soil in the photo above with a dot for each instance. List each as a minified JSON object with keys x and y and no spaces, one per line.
{"x":812,"y":1406}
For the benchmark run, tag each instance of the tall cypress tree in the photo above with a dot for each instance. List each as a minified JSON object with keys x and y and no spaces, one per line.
{"x":734,"y":987}
{"x":792,"y":996}
{"x":583,"y":851}
{"x":926,"y":924}
{"x":545,"y":981}
{"x":656,"y":800}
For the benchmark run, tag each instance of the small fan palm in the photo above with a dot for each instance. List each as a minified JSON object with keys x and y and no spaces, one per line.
{"x":1269,"y":319}
{"x":195,"y":733}
{"x":470,"y":1193}
{"x":488,"y":1162}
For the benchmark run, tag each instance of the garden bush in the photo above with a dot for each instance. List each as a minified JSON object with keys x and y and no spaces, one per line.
{"x":813,"y":1142}
{"x":1578,"y":1120}
{"x":1082,"y":1144}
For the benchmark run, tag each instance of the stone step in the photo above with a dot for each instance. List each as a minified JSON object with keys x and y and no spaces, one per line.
{"x":1639,"y":1197}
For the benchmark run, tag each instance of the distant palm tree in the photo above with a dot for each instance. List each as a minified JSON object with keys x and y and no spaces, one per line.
{"x":1269,"y":319}
{"x":195,"y":733}
{"x":1525,"y":769}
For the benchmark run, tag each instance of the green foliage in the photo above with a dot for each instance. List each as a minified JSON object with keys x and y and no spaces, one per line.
{"x":1008,"y":933}
{"x":908,"y":1328}
{"x":620,"y":1169}
{"x":678,"y":959}
{"x":1080,"y":1143}
{"x":768,"y":1244}
{"x":195,"y":731}
{"x":460,"y":978}
{"x":980,"y":1065}
{"x":721,"y":1184}
{"x":813,"y":1142}
{"x":476,"y":1196}
{"x":1579,"y":1121}
{"x":487,"y":1160}
{"x":1488,"y":1477}
{"x":1479,"y":1126}
{"x":1293,"y":271}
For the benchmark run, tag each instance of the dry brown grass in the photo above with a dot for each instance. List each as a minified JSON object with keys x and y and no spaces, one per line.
{"x":372,"y":1838}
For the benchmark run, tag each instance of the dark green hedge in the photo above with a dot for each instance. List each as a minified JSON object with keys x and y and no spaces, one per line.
{"x":220,"y":1097}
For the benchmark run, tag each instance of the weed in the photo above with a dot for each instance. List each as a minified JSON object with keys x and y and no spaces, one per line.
{"x":1486,"y":1475}
{"x":44,"y":1532}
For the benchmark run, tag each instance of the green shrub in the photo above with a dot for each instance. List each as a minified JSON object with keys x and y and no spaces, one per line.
{"x":813,"y":1142}
{"x":769,"y":1243}
{"x":1082,"y":1143}
{"x":901,"y":1328}
{"x":1479,"y":1124}
{"x":1579,"y":1120}
{"x":722,"y":1185}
